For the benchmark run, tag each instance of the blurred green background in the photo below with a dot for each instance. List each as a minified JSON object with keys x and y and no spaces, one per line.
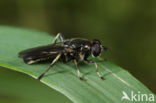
{"x":127,"y":27}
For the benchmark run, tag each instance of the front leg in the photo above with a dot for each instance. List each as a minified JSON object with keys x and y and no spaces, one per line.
{"x":60,"y":36}
{"x":93,"y":62}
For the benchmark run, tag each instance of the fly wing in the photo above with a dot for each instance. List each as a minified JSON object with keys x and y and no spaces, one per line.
{"x":42,"y":50}
{"x":41,"y":53}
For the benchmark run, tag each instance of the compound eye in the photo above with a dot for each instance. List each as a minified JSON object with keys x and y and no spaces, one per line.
{"x":96,"y":50}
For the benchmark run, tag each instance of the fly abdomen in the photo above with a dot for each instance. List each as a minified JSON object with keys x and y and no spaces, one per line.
{"x":30,"y":60}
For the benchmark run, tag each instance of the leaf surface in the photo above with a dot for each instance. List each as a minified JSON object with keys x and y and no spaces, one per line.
{"x":63,"y":77}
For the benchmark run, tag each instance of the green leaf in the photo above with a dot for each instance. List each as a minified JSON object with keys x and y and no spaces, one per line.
{"x":63,"y":77}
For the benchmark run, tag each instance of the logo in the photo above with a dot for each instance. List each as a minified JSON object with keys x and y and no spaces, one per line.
{"x":137,"y":97}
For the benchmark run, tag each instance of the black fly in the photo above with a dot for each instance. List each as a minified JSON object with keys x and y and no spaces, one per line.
{"x":67,"y":50}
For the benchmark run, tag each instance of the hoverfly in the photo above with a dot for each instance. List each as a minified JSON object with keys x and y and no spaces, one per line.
{"x":66,"y":50}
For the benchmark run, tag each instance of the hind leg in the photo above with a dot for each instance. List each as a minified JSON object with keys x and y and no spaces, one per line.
{"x":58,"y":36}
{"x":53,"y":62}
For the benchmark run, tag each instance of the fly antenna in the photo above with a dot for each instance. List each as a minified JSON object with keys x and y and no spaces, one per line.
{"x":104,"y":48}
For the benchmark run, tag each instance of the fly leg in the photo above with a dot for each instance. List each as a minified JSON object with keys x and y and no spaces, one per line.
{"x":52,"y":63}
{"x":96,"y":66}
{"x":58,"y":36}
{"x":75,"y":62}
{"x":100,"y":59}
